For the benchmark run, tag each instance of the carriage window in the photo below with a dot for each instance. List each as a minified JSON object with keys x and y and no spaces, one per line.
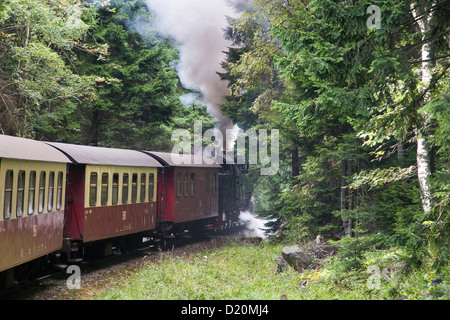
{"x":42,"y":183}
{"x":104,"y":198}
{"x":134,"y":188}
{"x":143,"y":184}
{"x":125,"y":188}
{"x":93,"y":189}
{"x":8,"y":193}
{"x":20,"y":193}
{"x":115,"y":188}
{"x":151,"y":187}
{"x":178,"y":184}
{"x":192,"y":184}
{"x":51,"y":187}
{"x":185,"y":184}
{"x":31,"y":192}
{"x":59,"y":189}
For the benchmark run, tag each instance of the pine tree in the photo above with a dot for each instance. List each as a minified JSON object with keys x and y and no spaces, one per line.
{"x":140,"y":92}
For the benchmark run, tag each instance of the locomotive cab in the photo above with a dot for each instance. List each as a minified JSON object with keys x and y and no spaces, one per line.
{"x":234,"y":191}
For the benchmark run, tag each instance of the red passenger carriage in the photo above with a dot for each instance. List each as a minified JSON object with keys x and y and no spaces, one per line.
{"x":32,"y":191}
{"x":111,"y":198}
{"x":188,"y":192}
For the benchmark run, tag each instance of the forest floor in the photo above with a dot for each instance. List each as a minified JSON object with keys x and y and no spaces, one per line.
{"x":245,"y":271}
{"x":229,"y":267}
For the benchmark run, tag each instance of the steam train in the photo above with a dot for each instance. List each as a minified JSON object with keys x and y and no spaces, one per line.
{"x":62,"y":203}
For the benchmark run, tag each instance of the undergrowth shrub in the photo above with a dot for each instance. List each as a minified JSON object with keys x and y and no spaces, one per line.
{"x":351,"y":251}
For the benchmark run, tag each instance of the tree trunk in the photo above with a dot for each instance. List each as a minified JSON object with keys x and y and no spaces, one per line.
{"x":400,"y":150}
{"x":347,"y":222}
{"x":423,"y":158}
{"x":424,"y":171}
{"x":95,"y":127}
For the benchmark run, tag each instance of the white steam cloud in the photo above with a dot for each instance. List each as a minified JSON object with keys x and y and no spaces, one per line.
{"x":254,"y":225}
{"x":197,"y":27}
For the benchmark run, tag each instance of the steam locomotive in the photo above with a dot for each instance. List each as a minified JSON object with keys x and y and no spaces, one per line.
{"x":62,"y":203}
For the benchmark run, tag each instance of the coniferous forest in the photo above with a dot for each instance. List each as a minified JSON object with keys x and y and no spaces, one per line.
{"x":361,"y":99}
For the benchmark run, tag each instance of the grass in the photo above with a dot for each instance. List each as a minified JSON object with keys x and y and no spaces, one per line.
{"x":247,"y":272}
{"x":234,"y":272}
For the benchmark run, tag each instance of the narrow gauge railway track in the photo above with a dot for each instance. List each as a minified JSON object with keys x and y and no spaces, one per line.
{"x":99,"y":274}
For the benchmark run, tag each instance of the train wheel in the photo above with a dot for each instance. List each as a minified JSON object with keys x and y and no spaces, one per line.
{"x":168,"y":242}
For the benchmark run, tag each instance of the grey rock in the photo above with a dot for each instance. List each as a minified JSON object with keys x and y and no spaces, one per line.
{"x":296,"y":257}
{"x":282,"y":265}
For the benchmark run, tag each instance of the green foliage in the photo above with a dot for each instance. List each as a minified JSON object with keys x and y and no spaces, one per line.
{"x":379,"y":177}
{"x":94,"y":72}
{"x":139,"y":92}
{"x":347,"y":98}
{"x":351,"y":253}
{"x":37,"y":45}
